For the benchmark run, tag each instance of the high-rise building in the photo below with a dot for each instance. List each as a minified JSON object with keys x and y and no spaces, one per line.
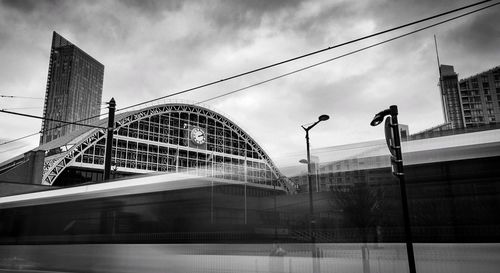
{"x":74,"y":89}
{"x":450,"y":95}
{"x":470,"y":102}
{"x":481,"y":98}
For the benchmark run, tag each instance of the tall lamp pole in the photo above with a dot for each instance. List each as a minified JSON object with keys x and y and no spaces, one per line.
{"x":394,"y":143}
{"x":312,"y":221}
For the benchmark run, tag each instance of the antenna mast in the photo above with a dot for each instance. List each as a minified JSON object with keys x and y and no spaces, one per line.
{"x":443,"y":97}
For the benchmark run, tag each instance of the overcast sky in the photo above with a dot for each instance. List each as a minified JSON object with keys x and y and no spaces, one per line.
{"x":153,"y":48}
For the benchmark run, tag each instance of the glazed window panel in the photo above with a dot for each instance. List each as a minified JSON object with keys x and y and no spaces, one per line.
{"x":174,"y":123}
{"x":193,"y":117}
{"x":132,"y":155}
{"x":202,"y":119}
{"x":120,"y":163}
{"x":172,"y":152}
{"x":131,"y":164}
{"x":142,"y":156}
{"x":155,"y":119}
{"x":211,"y":130}
{"x":121,"y":143}
{"x":123,"y":131}
{"x":99,"y":160}
{"x":133,"y":125}
{"x":99,"y":150}
{"x":132,"y":132}
{"x":183,"y":162}
{"x":89,"y":151}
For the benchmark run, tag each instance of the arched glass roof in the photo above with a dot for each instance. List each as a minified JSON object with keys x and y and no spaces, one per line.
{"x":174,"y":137}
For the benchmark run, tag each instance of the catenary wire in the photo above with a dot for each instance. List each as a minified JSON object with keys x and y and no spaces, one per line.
{"x":293,"y":59}
{"x":18,"y":108}
{"x":19,"y":138}
{"x":305,"y":55}
{"x":50,"y":129}
{"x":19,"y":97}
{"x":49,"y":119}
{"x":344,"y":55}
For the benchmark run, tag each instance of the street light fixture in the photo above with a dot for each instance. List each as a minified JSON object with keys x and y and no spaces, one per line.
{"x":311,"y":208}
{"x":394,"y":143}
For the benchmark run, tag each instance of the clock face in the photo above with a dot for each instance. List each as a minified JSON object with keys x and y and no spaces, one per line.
{"x":198,"y":136}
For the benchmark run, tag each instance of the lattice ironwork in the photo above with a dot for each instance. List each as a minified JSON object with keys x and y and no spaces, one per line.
{"x":54,"y":165}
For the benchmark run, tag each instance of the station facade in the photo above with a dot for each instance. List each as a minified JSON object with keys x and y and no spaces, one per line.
{"x":173,"y":137}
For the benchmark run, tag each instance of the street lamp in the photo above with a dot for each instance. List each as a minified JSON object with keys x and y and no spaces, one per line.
{"x":311,"y":208}
{"x":394,"y":143}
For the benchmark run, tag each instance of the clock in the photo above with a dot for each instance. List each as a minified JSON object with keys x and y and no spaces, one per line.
{"x":198,"y":136}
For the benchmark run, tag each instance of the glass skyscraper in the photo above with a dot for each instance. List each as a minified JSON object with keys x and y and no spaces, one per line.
{"x":74,"y":89}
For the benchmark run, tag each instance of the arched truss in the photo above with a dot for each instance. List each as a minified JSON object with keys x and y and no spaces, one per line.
{"x":55,"y":165}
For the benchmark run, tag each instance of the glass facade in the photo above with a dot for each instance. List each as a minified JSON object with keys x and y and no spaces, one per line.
{"x":181,"y":138}
{"x":74,"y":89}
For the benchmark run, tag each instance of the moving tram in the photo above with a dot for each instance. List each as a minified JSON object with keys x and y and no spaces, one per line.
{"x":119,"y":225}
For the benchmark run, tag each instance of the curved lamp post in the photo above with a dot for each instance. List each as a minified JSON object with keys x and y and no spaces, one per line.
{"x":394,"y":144}
{"x":312,"y":220}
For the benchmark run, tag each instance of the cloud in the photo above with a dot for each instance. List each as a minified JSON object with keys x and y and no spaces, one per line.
{"x":29,"y":6}
{"x":153,"y":48}
{"x":154,"y":6}
{"x":477,"y":35}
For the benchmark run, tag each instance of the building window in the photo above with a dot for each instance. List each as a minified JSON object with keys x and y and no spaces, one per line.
{"x":474,"y":83}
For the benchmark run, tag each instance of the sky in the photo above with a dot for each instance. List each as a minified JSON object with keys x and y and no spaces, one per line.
{"x":151,"y":49}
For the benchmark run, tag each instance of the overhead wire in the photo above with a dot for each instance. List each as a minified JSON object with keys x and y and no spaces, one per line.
{"x":19,"y":138}
{"x":306,"y":55}
{"x":19,"y":97}
{"x":50,"y":119}
{"x":51,"y":129}
{"x":290,"y":60}
{"x":18,"y":108}
{"x":344,"y":55}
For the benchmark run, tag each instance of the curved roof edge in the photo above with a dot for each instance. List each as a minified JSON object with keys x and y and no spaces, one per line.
{"x":66,"y":145}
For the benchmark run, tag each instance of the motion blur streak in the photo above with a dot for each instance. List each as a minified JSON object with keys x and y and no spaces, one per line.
{"x":438,"y":258}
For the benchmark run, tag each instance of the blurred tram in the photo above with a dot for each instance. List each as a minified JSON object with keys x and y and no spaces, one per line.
{"x":166,"y":208}
{"x":147,"y":223}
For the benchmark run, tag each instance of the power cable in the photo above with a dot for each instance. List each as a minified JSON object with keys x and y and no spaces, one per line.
{"x":19,"y":138}
{"x":13,"y":149}
{"x":18,"y":108}
{"x":51,"y":129}
{"x":49,"y":119}
{"x":343,"y":55}
{"x":306,"y":55}
{"x":18,"y":97}
{"x":290,"y":60}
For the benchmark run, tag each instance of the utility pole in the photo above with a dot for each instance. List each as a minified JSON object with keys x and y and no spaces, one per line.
{"x":109,"y":139}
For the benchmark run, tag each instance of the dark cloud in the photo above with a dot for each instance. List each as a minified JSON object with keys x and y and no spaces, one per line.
{"x":28,"y":6}
{"x":480,"y":34}
{"x":263,"y":6}
{"x":393,"y":13}
{"x":246,"y":14}
{"x":154,"y":6}
{"x":152,"y":48}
